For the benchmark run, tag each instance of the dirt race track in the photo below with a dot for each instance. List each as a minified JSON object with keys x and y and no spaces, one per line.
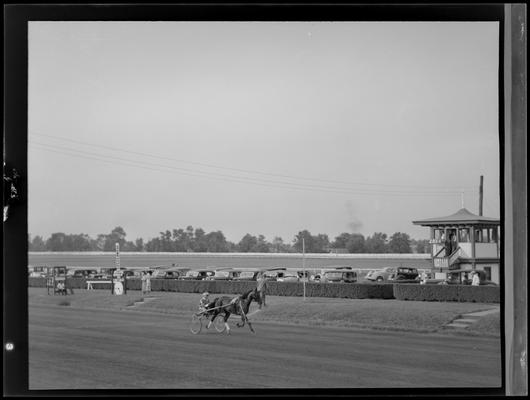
{"x":106,"y":349}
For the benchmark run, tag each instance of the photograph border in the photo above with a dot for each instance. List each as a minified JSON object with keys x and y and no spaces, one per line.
{"x":512,"y":147}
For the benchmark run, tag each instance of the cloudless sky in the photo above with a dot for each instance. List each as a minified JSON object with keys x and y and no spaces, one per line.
{"x":261,"y":128}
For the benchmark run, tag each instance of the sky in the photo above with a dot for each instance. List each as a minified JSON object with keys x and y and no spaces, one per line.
{"x":264,"y":128}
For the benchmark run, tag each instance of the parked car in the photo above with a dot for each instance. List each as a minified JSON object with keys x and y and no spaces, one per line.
{"x":488,"y":283}
{"x":158,"y":273}
{"x":128,"y":274}
{"x":287,"y":277}
{"x":343,"y":276}
{"x":225,"y":274}
{"x":447,"y":281}
{"x":335,"y":267}
{"x":381,"y":275}
{"x":405,"y":274}
{"x":198,"y":274}
{"x":38,"y":272}
{"x":303,"y":275}
{"x":85,"y":273}
{"x":169,"y":275}
{"x":104,"y":273}
{"x":273,"y":273}
{"x":246,"y":276}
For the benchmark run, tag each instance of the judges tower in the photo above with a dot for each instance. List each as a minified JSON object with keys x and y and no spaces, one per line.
{"x":463,"y":242}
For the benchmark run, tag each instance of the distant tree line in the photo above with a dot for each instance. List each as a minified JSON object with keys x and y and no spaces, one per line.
{"x":197,"y":240}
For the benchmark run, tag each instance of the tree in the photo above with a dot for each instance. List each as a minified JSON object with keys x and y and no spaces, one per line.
{"x":341,"y":241}
{"x":356,"y":243}
{"x":420,"y":246}
{"x":352,"y":242}
{"x":400,"y":243}
{"x":313,"y":244}
{"x":199,"y":243}
{"x":216,"y":242}
{"x":190,"y":235}
{"x":247,"y":243}
{"x":166,"y":242}
{"x":56,"y":242}
{"x":261,"y":246}
{"x":303,"y":237}
{"x":128,"y":246}
{"x":232,"y":247}
{"x":376,"y":243}
{"x":37,"y":244}
{"x":99,"y":243}
{"x":117,"y":235}
{"x":183,"y":239}
{"x":278,"y":246}
{"x":321,"y":243}
{"x":81,"y":242}
{"x":153,"y":245}
{"x":139,"y":244}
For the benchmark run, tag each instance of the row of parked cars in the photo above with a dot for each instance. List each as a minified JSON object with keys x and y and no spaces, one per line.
{"x":229,"y":274}
{"x":279,"y":274}
{"x":342,"y":274}
{"x":405,"y":274}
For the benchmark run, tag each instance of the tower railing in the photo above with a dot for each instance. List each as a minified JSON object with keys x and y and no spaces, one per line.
{"x":445,"y":262}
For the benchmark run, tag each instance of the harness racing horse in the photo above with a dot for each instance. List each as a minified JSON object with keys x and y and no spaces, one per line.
{"x":228,"y":306}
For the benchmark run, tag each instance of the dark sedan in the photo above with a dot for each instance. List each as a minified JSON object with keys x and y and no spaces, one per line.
{"x":198,"y":275}
{"x":405,"y":274}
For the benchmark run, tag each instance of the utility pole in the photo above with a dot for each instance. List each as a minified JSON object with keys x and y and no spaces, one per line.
{"x":480,"y":194}
{"x":303,"y":263}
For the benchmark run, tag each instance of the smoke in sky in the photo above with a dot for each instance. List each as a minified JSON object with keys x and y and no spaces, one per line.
{"x":355,"y":223}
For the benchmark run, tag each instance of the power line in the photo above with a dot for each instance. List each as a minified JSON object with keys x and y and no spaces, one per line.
{"x":156,"y":167}
{"x":245,"y":179}
{"x":77,"y":153}
{"x":158,"y":157}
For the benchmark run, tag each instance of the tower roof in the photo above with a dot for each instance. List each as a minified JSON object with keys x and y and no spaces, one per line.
{"x":461,"y":217}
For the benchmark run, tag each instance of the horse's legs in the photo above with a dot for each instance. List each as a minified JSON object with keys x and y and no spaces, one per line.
{"x":242,"y":323}
{"x":250,"y":326}
{"x":244,"y":318}
{"x":227,"y":314}
{"x":211,"y":319}
{"x":259,"y":298}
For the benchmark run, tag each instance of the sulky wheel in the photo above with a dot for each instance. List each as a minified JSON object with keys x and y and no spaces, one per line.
{"x":196,"y":324}
{"x":219,"y":323}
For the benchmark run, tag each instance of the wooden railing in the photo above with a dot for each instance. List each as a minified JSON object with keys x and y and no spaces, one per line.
{"x":446,"y":262}
{"x":454,"y":256}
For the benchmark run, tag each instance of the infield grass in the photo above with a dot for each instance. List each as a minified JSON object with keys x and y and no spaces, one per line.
{"x":356,"y":313}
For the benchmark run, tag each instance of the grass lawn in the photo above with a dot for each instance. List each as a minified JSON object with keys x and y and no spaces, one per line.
{"x":490,"y":324}
{"x":357,"y":313}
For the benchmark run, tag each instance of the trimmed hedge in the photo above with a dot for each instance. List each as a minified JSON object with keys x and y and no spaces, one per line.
{"x":406,"y":291}
{"x":461,"y":293}
{"x":295,"y":289}
{"x":348,"y":290}
{"x":36,"y":282}
{"x":71,"y":283}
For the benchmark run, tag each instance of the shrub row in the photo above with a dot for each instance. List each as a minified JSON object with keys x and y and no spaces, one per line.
{"x":461,"y":293}
{"x":408,"y":291}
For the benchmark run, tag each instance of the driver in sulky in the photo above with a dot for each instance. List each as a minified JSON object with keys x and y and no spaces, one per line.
{"x":203,"y":303}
